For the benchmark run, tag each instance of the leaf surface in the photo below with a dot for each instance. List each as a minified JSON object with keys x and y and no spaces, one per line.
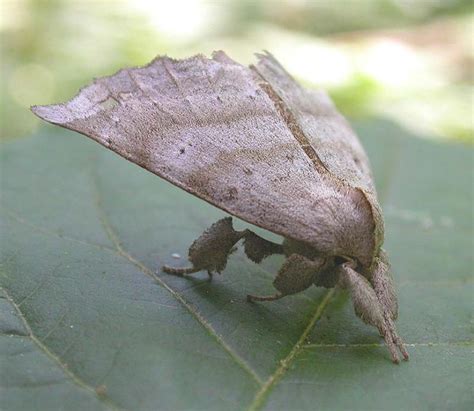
{"x":88,"y":320}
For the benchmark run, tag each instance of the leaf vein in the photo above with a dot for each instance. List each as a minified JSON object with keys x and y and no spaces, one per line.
{"x":262,"y":394}
{"x":52,"y":356}
{"x":147,"y":271}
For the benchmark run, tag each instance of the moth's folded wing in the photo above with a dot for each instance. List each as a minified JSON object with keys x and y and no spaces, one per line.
{"x":207,"y":126}
{"x":326,"y":130}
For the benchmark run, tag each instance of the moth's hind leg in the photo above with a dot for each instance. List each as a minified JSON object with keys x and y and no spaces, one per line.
{"x":212,"y":249}
{"x":368,"y":307}
{"x":296,"y":274}
{"x":382,"y":283}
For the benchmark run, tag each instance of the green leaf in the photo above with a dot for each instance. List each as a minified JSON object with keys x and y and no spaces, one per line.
{"x":88,"y":320}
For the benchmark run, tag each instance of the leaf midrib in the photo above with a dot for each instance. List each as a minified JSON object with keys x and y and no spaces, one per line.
{"x":262,"y":394}
{"x":73,"y":377}
{"x":120,"y":250}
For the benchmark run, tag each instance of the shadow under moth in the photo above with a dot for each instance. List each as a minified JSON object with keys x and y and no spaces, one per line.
{"x":253,"y":142}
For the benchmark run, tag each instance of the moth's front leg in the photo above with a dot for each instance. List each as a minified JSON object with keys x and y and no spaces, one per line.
{"x":383,"y":285}
{"x":368,"y":307}
{"x":212,"y":249}
{"x":385,"y":290}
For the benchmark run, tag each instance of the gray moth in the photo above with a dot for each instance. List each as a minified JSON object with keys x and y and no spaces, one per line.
{"x":253,"y":142}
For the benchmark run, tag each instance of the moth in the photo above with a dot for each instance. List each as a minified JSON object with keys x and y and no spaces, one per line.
{"x":253,"y":142}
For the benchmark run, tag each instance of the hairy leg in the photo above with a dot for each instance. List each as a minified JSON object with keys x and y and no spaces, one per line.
{"x":296,"y":274}
{"x":385,"y":290}
{"x":370,"y":310}
{"x":257,"y":248}
{"x":383,"y":285}
{"x":212,"y":249}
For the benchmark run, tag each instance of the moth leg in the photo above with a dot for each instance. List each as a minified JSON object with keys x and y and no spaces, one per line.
{"x":383,"y":285}
{"x":273,"y":297}
{"x":385,"y":290}
{"x":370,"y":310}
{"x":257,"y":248}
{"x":211,"y":250}
{"x":180,"y":271}
{"x":184,"y":271}
{"x":296,"y":274}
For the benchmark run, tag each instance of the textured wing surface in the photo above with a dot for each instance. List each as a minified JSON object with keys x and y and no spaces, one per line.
{"x":327,"y":131}
{"x":207,"y":126}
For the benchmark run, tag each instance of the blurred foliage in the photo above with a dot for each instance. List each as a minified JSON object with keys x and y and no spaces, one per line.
{"x":410,"y":60}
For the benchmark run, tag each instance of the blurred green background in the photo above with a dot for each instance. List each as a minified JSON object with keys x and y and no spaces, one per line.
{"x":410,"y":60}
